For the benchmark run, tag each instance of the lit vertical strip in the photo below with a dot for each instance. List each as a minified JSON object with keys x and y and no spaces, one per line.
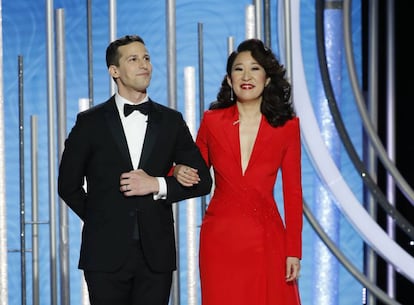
{"x":22,"y":184}
{"x":250,"y":25}
{"x":258,"y":18}
{"x":391,"y":132}
{"x":90,"y":49}
{"x":172,"y":103}
{"x":84,"y":104}
{"x":61,"y":114}
{"x":191,"y":204}
{"x":112,"y":37}
{"x":50,"y":59}
{"x":370,"y":257}
{"x":230,"y":45}
{"x":326,"y":267}
{"x":203,"y":201}
{"x":3,"y":215}
{"x":266,"y":23}
{"x":35,"y":210}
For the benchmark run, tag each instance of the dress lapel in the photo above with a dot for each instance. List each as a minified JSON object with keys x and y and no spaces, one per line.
{"x":230,"y":129}
{"x":263,"y":138}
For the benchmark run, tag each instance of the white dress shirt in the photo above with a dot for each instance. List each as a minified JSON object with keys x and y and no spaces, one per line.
{"x":135,"y":126}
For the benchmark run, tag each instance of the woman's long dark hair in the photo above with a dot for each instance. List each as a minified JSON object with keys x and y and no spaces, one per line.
{"x":276,"y":104}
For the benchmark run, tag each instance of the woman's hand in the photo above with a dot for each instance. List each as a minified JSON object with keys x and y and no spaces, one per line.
{"x":185,"y":175}
{"x":292,"y":268}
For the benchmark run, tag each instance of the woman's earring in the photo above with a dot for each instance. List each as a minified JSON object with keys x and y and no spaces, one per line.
{"x":231,"y":94}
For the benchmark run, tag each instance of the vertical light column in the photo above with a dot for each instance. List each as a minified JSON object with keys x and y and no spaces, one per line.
{"x":326,"y":266}
{"x":84,"y":104}
{"x":3,"y":215}
{"x":201,"y":105}
{"x":370,"y":257}
{"x":50,"y":58}
{"x":61,"y":121}
{"x":191,"y":204}
{"x":258,"y":18}
{"x":35,"y":211}
{"x":172,"y":102}
{"x":22,"y":185}
{"x":90,"y":50}
{"x":250,"y":25}
{"x":112,"y":37}
{"x":230,"y":45}
{"x":266,"y":23}
{"x":391,"y":133}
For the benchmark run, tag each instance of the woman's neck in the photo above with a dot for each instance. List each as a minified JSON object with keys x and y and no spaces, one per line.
{"x":249,"y":111}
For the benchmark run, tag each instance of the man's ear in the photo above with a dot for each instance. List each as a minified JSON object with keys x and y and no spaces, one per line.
{"x":113,"y":71}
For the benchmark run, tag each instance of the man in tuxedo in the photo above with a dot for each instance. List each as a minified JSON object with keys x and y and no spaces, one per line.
{"x":125,"y":148}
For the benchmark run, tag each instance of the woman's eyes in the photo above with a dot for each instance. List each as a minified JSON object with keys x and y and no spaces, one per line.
{"x":252,"y":68}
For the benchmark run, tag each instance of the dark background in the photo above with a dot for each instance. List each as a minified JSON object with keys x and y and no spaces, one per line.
{"x":404,"y":98}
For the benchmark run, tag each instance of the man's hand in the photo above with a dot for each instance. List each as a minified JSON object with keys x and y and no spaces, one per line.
{"x":138,"y":183}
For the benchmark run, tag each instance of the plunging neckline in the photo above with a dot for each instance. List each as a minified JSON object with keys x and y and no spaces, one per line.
{"x":251,"y":148}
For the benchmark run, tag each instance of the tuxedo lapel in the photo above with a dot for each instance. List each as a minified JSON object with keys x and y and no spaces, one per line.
{"x":115,"y":126}
{"x":151,"y":135}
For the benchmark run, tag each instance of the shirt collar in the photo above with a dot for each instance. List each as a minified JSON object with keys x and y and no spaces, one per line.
{"x":120,"y":101}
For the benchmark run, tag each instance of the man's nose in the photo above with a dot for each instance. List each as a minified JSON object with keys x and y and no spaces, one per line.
{"x":143,"y":64}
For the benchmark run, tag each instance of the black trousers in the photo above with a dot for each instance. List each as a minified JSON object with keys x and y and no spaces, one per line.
{"x":133,"y":284}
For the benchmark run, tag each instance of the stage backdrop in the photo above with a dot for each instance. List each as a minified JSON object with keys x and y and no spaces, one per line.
{"x":24,"y":34}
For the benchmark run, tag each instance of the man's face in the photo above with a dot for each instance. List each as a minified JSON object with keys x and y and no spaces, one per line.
{"x":134,"y":71}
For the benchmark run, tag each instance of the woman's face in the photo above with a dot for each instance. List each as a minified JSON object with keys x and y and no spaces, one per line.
{"x":247,"y":78}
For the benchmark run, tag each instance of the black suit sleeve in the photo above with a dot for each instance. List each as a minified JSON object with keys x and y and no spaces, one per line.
{"x":72,"y":169}
{"x":187,"y":153}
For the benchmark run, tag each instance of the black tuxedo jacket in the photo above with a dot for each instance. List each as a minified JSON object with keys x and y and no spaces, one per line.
{"x":96,"y":149}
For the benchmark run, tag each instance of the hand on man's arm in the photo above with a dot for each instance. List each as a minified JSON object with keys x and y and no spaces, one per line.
{"x":138,"y":183}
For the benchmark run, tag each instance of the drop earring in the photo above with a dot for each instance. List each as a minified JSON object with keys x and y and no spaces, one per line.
{"x":231,"y":94}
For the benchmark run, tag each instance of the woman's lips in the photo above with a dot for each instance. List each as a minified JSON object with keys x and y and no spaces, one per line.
{"x":246,"y":86}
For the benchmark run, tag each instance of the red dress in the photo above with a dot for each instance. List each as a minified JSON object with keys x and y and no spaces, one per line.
{"x":243,"y":241}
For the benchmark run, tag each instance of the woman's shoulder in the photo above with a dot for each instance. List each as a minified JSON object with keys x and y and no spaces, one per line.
{"x":292,"y":126}
{"x":219,"y":113}
{"x":217,"y":118}
{"x":212,"y":113}
{"x":294,"y":121}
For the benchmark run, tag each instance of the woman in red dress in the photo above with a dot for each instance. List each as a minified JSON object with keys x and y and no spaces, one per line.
{"x":249,"y":254}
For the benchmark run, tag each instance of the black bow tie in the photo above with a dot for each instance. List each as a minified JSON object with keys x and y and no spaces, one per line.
{"x":143,"y":108}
